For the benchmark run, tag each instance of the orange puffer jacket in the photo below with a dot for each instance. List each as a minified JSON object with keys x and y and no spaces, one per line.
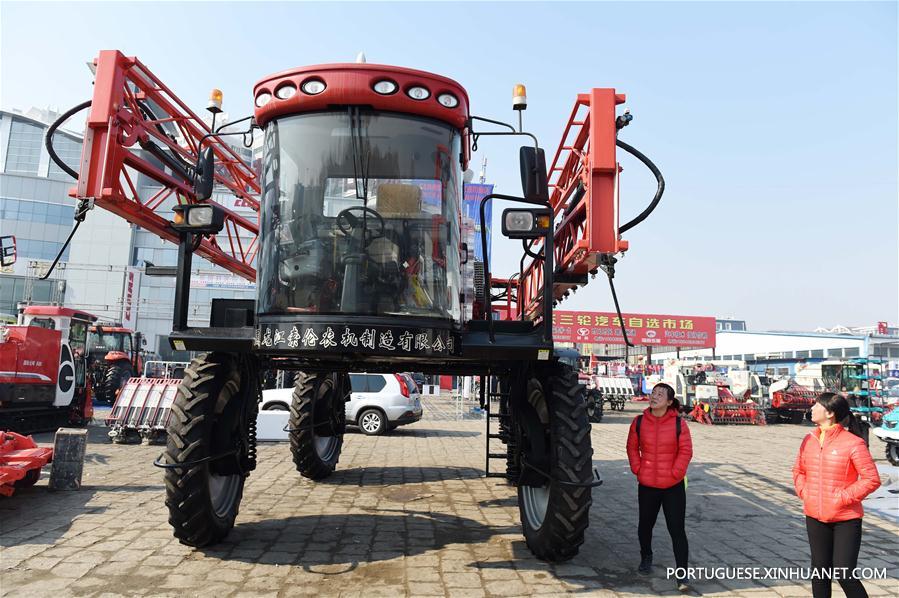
{"x":660,"y":458}
{"x":833,"y":479}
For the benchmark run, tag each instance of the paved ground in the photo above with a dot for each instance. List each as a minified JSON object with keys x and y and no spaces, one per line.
{"x":410,"y":514}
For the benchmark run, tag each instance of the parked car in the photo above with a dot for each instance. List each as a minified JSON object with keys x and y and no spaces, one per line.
{"x":378,"y":402}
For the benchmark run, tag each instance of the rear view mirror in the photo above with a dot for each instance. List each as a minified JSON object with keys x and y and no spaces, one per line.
{"x":205,"y":175}
{"x":533,"y":174}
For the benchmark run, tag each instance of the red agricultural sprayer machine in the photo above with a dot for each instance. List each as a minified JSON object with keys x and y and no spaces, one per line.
{"x":358,"y":259}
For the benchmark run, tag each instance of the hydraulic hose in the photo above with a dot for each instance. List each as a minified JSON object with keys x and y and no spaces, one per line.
{"x":48,"y":140}
{"x":659,"y":191}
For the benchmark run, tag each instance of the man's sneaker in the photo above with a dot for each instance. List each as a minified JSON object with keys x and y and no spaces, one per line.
{"x":645,"y":565}
{"x":682,"y":585}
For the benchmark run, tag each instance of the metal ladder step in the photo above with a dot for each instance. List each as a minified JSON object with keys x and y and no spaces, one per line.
{"x":497,"y":436}
{"x":497,"y":455}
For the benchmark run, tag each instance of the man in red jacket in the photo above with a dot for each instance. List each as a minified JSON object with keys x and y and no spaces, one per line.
{"x":833,"y":473}
{"x":659,"y":449}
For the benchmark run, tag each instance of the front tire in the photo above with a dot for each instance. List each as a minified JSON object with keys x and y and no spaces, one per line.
{"x":207,"y":418}
{"x":317,"y":422}
{"x":892,"y":453}
{"x":554,"y":517}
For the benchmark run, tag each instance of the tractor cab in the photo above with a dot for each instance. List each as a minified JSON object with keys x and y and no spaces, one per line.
{"x":112,"y":358}
{"x":109,"y":343}
{"x":360,"y":211}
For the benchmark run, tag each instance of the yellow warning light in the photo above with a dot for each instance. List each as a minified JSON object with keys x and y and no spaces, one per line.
{"x":543,"y":222}
{"x":178,"y":217}
{"x":215,"y":101}
{"x":519,"y":97}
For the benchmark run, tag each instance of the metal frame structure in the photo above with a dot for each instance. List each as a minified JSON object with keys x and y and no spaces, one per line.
{"x":131,"y":108}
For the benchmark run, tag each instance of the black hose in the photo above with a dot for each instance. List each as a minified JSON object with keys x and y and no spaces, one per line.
{"x":48,"y":140}
{"x":627,"y":342}
{"x":658,"y":196}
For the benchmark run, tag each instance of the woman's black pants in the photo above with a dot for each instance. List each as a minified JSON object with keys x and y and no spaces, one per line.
{"x":835,"y":546}
{"x":674,"y":501}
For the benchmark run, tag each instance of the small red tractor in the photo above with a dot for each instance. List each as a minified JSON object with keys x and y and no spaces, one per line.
{"x":113,"y":356}
{"x":43,"y":370}
{"x":357,"y":254}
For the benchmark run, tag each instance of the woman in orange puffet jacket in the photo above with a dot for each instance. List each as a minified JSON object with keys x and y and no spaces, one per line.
{"x":659,"y":449}
{"x":833,"y":473}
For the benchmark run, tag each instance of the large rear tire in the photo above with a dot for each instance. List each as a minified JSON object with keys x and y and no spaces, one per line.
{"x":317,"y":422}
{"x":208,"y":418}
{"x":554,"y":517}
{"x":115,"y":377}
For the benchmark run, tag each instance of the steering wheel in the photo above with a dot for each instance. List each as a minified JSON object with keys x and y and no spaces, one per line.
{"x":348,"y":222}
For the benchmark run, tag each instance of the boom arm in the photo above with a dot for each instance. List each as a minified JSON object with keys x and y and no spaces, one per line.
{"x":131,"y":106}
{"x":583,"y":178}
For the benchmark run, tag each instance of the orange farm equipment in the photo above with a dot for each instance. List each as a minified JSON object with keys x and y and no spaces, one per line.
{"x":21,"y":460}
{"x":43,"y":371}
{"x":357,"y":253}
{"x":727,"y":409}
{"x":790,"y":402}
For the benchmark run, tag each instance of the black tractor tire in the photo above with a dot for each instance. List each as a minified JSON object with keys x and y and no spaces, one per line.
{"x":594,"y":406}
{"x":203,"y":498}
{"x":555,"y":517}
{"x":892,"y":453}
{"x":319,"y":402}
{"x":30,"y":479}
{"x":797,"y":417}
{"x":113,"y":379}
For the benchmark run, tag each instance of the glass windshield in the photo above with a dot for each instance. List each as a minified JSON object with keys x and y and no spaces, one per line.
{"x":361,"y":215}
{"x":106,"y":341}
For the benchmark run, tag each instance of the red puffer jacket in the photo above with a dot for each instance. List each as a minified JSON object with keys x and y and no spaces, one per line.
{"x":833,"y":479}
{"x":661,"y":459}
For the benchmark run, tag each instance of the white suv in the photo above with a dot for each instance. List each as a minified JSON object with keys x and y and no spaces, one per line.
{"x":378,"y":402}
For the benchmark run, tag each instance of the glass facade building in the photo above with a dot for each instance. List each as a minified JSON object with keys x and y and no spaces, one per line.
{"x":35,"y":208}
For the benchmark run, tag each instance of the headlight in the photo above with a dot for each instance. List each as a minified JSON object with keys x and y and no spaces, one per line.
{"x":519,"y":221}
{"x":448,"y":100}
{"x":385,"y":87}
{"x":314,"y":86}
{"x":263,"y":98}
{"x":200,"y":216}
{"x":286,"y":91}
{"x":418,"y":93}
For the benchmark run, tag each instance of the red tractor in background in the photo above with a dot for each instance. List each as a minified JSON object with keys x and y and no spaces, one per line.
{"x":113,"y":356}
{"x":43,"y":370}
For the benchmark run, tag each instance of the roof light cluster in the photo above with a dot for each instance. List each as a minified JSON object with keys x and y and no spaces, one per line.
{"x":385,"y":87}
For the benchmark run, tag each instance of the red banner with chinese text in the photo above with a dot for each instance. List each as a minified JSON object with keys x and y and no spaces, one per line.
{"x":642,"y":329}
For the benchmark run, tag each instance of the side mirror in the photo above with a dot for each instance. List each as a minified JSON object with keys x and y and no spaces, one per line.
{"x":533,"y":174}
{"x":7,"y":251}
{"x":205,"y":175}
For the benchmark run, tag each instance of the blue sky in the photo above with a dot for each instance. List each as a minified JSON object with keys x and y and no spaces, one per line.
{"x":775,"y":124}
